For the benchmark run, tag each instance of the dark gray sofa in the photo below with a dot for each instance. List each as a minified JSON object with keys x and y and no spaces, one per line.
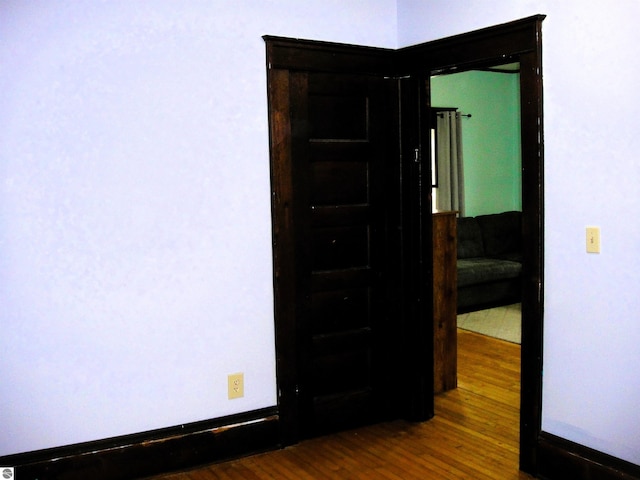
{"x":489,"y":260}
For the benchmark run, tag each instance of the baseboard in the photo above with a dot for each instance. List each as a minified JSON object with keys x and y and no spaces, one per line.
{"x":560,"y":459}
{"x":155,"y":452}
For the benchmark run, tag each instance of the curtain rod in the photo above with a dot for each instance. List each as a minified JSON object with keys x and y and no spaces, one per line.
{"x":468,"y":115}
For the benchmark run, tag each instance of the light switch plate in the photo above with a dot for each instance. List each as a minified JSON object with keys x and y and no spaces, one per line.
{"x":593,"y":239}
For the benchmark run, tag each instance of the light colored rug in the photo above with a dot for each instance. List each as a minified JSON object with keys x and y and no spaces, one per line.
{"x":500,"y":322}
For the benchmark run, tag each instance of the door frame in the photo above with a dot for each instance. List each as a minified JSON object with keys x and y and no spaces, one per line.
{"x":413,"y":66}
{"x":520,"y":41}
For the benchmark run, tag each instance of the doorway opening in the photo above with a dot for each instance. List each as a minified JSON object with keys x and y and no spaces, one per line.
{"x":472,"y":51}
{"x":487,"y":100}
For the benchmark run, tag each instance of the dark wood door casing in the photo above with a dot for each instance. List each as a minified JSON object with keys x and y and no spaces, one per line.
{"x":520,"y":41}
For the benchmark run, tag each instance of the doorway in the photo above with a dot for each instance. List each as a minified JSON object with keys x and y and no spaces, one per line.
{"x":407,"y":293}
{"x":520,"y":42}
{"x":487,"y":100}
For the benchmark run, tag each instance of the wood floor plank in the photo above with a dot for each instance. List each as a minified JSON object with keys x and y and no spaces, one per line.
{"x":474,"y":434}
{"x":398,"y":455}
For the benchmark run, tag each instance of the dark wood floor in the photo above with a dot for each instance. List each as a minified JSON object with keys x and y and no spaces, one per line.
{"x":474,"y":434}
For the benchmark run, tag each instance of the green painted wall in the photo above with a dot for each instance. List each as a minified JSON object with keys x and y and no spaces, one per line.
{"x":491,"y":137}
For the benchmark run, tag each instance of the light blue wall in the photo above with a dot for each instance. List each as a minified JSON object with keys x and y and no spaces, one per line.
{"x":491,"y":137}
{"x":592,"y":326}
{"x":95,"y":344}
{"x":135,"y":223}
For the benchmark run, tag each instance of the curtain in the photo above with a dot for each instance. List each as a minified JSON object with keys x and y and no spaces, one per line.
{"x":450,"y":194}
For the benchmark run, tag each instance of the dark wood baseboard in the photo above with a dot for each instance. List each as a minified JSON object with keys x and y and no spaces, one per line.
{"x":561,"y":459}
{"x":155,"y":452}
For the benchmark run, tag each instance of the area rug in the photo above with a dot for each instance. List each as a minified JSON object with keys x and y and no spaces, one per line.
{"x":500,"y":322}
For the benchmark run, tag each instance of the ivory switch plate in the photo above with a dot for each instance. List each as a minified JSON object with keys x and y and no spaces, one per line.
{"x":593,"y":239}
{"x":236,"y":385}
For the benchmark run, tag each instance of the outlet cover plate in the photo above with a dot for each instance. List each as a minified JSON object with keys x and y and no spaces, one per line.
{"x":236,"y":385}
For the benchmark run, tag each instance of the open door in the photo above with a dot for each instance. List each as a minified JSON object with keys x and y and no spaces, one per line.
{"x":337,"y":235}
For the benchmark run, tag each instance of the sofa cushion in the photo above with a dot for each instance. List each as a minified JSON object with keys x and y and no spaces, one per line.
{"x":473,"y":271}
{"x":501,"y":233}
{"x":469,"y":238}
{"x":512,"y":256}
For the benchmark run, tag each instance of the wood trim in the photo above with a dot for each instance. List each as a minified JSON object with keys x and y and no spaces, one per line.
{"x":284,"y":273}
{"x":445,"y":295}
{"x":151,"y":453}
{"x":533,"y":252}
{"x":521,"y":41}
{"x":560,"y":459}
{"x":416,"y":249}
{"x":477,"y":48}
{"x":316,"y":56}
{"x":497,"y":70}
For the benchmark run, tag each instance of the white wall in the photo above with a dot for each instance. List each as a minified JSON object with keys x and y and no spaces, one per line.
{"x":135,"y":241}
{"x":592,"y":326}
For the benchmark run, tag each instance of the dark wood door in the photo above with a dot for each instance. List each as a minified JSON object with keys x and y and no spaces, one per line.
{"x":354,"y":340}
{"x":343,"y":153}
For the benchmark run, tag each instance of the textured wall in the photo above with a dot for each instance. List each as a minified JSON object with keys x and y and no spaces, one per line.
{"x":135,"y":231}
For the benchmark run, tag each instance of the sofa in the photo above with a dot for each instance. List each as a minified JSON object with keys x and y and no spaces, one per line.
{"x":489,"y":263}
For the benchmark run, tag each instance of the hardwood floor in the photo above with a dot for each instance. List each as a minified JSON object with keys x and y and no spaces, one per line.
{"x":474,"y":434}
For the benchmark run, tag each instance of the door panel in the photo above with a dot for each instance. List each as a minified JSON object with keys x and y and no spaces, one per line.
{"x":346,"y":308}
{"x":343,"y":137}
{"x":340,"y":247}
{"x":348,"y":113}
{"x":339,"y":177}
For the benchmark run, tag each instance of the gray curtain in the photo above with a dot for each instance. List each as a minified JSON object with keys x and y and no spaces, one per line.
{"x":450,"y":170}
